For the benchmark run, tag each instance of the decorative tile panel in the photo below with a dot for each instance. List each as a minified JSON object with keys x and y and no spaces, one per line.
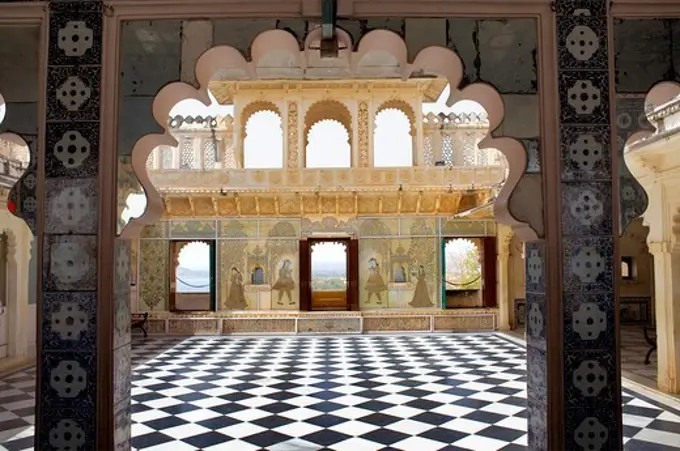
{"x":70,"y":428}
{"x":68,"y":388}
{"x":465,"y":322}
{"x":193,"y":326}
{"x":70,"y":378}
{"x":70,"y":263}
{"x":73,"y":205}
{"x":329,"y":325}
{"x":387,"y":324}
{"x":72,"y":149}
{"x":588,"y":228}
{"x":258,"y":325}
{"x":69,"y":321}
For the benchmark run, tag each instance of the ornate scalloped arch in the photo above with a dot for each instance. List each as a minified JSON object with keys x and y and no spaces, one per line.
{"x":404,"y":107}
{"x":328,"y":109}
{"x":442,"y":61}
{"x":255,"y":107}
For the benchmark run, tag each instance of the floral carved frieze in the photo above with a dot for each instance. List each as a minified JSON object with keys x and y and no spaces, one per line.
{"x":312,"y":205}
{"x":349,"y":179}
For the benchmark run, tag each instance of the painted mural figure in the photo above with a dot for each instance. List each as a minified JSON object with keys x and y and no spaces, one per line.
{"x":257,"y":278}
{"x":400,"y":274}
{"x":421,"y":297}
{"x":375,"y":284}
{"x":237,"y":298}
{"x":285,"y":283}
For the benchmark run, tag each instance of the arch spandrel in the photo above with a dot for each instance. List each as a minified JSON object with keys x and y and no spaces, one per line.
{"x":435,"y":60}
{"x":333,"y":110}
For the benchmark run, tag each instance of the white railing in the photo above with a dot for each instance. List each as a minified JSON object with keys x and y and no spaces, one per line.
{"x":208,"y":144}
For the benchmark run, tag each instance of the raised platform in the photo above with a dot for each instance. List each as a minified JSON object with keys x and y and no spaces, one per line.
{"x":293,"y":323}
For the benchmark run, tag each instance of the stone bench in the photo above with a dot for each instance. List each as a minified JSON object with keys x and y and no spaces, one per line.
{"x":651,"y":341}
{"x":140,"y":321}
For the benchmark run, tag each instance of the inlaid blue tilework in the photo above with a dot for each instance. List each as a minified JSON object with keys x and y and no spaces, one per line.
{"x":591,"y":388}
{"x":68,"y":416}
{"x":537,"y":370}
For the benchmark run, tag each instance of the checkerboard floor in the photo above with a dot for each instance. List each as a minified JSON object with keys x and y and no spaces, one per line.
{"x":358,"y":393}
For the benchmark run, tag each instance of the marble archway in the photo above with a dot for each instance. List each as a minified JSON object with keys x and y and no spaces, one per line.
{"x":554,"y":420}
{"x":435,"y":59}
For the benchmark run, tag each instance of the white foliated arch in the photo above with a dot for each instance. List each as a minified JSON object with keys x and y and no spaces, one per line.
{"x":226,"y":62}
{"x":660,"y":94}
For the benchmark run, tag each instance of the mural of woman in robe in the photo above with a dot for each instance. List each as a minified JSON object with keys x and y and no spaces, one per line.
{"x":236,"y":300}
{"x":421,"y":297}
{"x":285,"y":283}
{"x":375,"y":285}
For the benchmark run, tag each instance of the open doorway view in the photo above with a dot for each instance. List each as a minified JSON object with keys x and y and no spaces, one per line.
{"x":469,"y":273}
{"x":329,"y":275}
{"x":192,"y":286}
{"x":462,"y":273}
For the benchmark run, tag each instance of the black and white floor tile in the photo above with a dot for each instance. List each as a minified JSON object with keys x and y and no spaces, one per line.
{"x":360,"y":393}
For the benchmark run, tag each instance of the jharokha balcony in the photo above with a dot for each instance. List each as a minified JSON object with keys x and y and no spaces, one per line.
{"x":266,"y":158}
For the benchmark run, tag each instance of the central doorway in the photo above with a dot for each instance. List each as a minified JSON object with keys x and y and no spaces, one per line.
{"x":330,"y":275}
{"x":192,"y":277}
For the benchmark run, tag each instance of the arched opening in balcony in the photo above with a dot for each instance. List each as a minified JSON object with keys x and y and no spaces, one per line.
{"x":328,"y":145}
{"x":393,"y":135}
{"x":328,"y":135}
{"x":262,"y":136}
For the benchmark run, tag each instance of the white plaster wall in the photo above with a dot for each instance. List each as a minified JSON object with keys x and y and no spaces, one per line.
{"x":20,"y":315}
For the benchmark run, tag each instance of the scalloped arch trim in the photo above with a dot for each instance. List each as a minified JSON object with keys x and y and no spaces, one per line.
{"x":221,"y":59}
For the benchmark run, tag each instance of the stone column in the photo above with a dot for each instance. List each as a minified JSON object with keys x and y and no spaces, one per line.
{"x":363,"y":134}
{"x":573,"y":377}
{"x":83,"y":368}
{"x":503,"y":277}
{"x":418,"y":141}
{"x":667,"y":289}
{"x":292,"y":141}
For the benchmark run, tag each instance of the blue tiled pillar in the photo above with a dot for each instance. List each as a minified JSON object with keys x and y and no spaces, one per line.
{"x":83,"y":387}
{"x":574,"y":389}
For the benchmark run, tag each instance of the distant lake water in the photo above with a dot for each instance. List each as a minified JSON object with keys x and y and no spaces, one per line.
{"x":193,"y":285}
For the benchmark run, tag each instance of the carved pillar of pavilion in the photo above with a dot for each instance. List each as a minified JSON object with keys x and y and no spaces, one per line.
{"x":292,"y":141}
{"x":364,"y":128}
{"x":667,"y":292}
{"x":503,"y":278}
{"x":83,"y":366}
{"x":418,"y":139}
{"x":573,"y":377}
